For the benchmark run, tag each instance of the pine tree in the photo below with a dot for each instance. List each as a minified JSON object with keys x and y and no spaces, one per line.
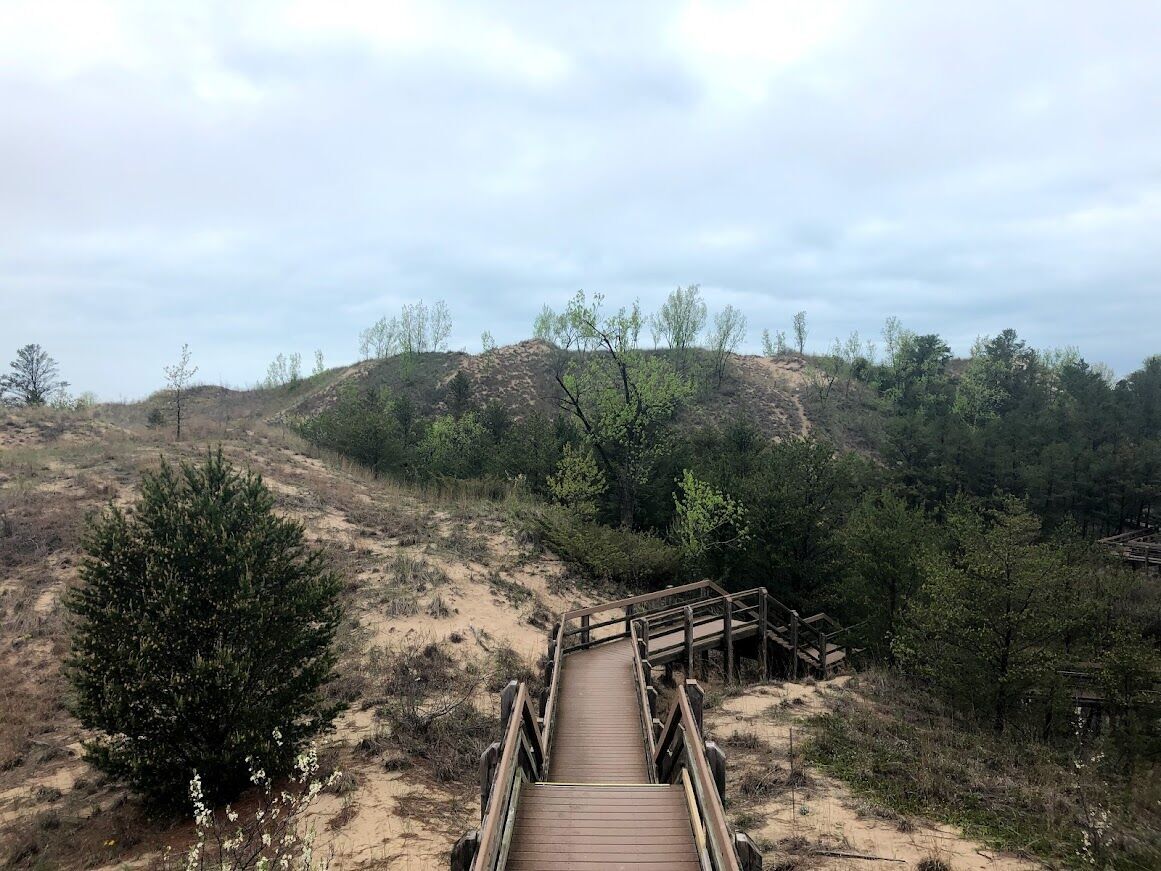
{"x":33,"y":379}
{"x":203,"y":634}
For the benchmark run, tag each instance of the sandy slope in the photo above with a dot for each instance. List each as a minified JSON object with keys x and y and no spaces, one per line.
{"x":799,"y":827}
{"x":446,"y":569}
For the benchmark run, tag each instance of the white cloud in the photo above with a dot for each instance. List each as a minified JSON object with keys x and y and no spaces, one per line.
{"x":307,"y":165}
{"x":739,"y":48}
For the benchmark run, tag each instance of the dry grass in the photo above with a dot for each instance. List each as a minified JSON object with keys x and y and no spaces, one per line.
{"x":390,"y":543}
{"x":899,"y":749}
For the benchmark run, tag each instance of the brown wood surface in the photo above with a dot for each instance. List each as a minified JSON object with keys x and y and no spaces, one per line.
{"x":640,"y":827}
{"x":597,"y":735}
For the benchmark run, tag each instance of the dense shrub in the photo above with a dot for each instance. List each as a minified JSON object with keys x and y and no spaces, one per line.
{"x":203,"y":634}
{"x":365,"y":425}
{"x":622,"y":556}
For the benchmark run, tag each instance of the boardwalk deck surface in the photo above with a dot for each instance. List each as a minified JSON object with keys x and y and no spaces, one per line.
{"x":641,"y":827}
{"x":597,"y":736}
{"x":600,"y":811}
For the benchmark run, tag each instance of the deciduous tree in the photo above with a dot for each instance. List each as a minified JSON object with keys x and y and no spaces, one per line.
{"x":178,"y":378}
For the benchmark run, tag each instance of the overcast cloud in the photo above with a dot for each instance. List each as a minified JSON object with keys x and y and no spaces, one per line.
{"x":261,"y":177}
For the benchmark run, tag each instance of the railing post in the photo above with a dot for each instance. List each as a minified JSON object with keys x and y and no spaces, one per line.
{"x":642,"y":640}
{"x":643,"y":632}
{"x":507,"y":702}
{"x":749,"y":857}
{"x":763,"y":641}
{"x":585,"y":633}
{"x":628,"y":617}
{"x":464,"y":852}
{"x":794,"y":645}
{"x":688,"y":641}
{"x":728,"y":620}
{"x":488,"y":760}
{"x":651,"y":694}
{"x":717,"y":763}
{"x":822,"y":652}
{"x":696,"y":697}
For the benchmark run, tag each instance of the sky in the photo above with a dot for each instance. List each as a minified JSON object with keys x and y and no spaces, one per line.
{"x":253,"y":178}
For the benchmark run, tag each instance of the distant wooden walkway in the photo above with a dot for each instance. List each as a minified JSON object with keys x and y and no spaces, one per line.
{"x":590,"y":778}
{"x":1137,"y":546}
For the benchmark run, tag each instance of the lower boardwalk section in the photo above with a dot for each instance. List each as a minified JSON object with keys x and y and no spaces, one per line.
{"x":643,"y":827}
{"x":597,"y":735}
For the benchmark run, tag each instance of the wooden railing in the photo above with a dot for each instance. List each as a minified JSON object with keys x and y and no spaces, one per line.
{"x":690,"y":606}
{"x":520,"y":759}
{"x":582,"y":635}
{"x":646,"y":692}
{"x":678,"y":752}
{"x":551,"y":687}
{"x":682,"y":756}
{"x":1137,"y":545}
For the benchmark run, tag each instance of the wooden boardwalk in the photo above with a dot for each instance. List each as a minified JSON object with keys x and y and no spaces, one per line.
{"x":600,"y":809}
{"x":591,"y":778}
{"x":643,"y":827}
{"x":671,"y":646}
{"x":598,"y":737}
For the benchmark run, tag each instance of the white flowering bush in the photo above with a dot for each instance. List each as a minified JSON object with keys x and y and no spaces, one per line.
{"x":1096,"y":830}
{"x":275,"y":837}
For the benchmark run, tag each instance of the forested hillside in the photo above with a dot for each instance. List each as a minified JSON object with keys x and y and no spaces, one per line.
{"x":947,"y":509}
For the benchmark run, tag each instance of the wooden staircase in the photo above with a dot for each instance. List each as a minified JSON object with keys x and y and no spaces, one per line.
{"x":590,"y":778}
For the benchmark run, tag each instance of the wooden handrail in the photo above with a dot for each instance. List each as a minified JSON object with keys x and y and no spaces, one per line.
{"x":643,"y":697}
{"x":646,"y":597}
{"x":553,"y":692}
{"x":682,"y":726}
{"x":521,"y":727}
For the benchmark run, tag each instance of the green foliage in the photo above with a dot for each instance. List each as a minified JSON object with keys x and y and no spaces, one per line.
{"x":32,"y":379}
{"x":621,"y":399}
{"x":417,"y":329}
{"x":798,"y":494}
{"x":178,"y":378}
{"x":203,"y":634}
{"x":458,"y":393}
{"x":727,"y":335}
{"x":285,"y":371}
{"x":708,"y":521}
{"x":886,"y":544}
{"x":362,"y":424}
{"x":800,"y":332}
{"x":620,"y":556}
{"x":1129,"y":674}
{"x":680,"y":320}
{"x":578,"y":483}
{"x":992,"y":609}
{"x":775,"y":347}
{"x":530,"y":449}
{"x":455,"y":448}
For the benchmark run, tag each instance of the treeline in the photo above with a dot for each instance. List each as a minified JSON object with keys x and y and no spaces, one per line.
{"x":1050,"y":427}
{"x":959,"y":539}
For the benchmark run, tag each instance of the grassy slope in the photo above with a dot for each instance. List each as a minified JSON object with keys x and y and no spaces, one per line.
{"x":893,"y":745}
